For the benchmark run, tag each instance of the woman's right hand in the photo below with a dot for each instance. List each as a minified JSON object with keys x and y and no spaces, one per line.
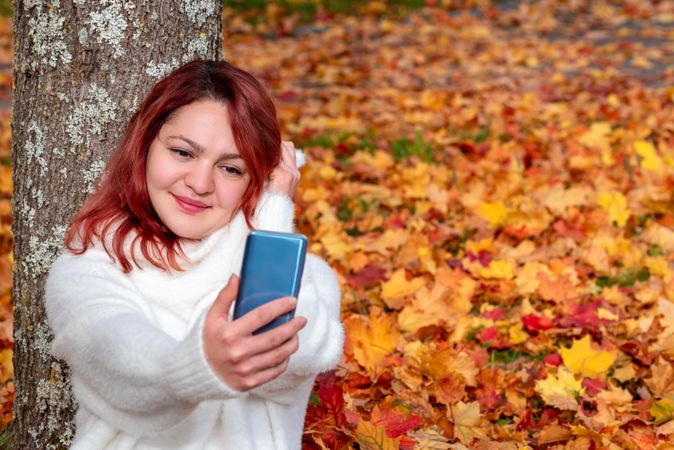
{"x":244,"y":361}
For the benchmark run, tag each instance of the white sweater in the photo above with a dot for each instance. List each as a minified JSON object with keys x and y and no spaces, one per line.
{"x":134,"y":344}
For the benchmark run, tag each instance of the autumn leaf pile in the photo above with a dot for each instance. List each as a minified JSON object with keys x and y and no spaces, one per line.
{"x":493,"y":186}
{"x":6,"y":257}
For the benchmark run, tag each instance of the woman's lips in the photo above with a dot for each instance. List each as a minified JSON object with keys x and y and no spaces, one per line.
{"x":190,"y":206}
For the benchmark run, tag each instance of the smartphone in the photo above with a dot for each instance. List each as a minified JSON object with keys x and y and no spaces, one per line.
{"x":272,"y":267}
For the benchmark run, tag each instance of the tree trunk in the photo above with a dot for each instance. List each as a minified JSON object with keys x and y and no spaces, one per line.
{"x":80,"y":68}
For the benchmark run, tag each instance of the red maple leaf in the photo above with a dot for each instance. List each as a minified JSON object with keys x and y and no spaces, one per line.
{"x":368,"y":276}
{"x":534,"y":323}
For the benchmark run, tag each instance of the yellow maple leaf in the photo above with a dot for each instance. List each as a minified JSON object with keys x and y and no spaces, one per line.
{"x":467,"y":419}
{"x":582,"y":359}
{"x":496,"y":213}
{"x":615,"y":204}
{"x":380,"y":160}
{"x":517,"y":335}
{"x":373,"y":437}
{"x":399,"y":286}
{"x":372,"y":339}
{"x":501,"y":270}
{"x":560,"y":390}
{"x":659,"y":266}
{"x":477,"y":246}
{"x":335,"y":244}
{"x":314,"y":194}
{"x":416,"y":181}
{"x":649,"y":157}
{"x":389,"y":240}
{"x":598,"y":136}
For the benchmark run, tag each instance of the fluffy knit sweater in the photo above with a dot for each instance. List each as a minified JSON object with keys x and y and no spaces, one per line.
{"x":134,"y":345}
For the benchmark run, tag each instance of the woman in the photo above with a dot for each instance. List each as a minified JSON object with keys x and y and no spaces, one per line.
{"x":136,"y":302}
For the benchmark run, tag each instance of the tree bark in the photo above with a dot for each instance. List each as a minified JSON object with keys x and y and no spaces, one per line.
{"x":80,"y":68}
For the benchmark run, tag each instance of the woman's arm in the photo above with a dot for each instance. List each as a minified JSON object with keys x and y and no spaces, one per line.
{"x":125,"y":369}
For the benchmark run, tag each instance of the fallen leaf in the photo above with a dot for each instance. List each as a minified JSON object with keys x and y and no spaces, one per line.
{"x":372,"y":339}
{"x":560,"y":390}
{"x":649,"y":157}
{"x":398,"y":286}
{"x":661,"y":381}
{"x":615,"y":204}
{"x":373,"y":437}
{"x":467,"y":421}
{"x":582,"y":359}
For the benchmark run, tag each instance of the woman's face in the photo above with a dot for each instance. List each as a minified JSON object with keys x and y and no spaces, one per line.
{"x":195,"y":175}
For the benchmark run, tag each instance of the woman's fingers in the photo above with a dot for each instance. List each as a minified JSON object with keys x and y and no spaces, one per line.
{"x":288,"y":153}
{"x":269,"y":359}
{"x":274,"y":338}
{"x":285,"y":177}
{"x":263,"y":376}
{"x":261,"y":316}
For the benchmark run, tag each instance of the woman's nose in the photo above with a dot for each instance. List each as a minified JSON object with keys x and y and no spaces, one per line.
{"x":200,"y":179}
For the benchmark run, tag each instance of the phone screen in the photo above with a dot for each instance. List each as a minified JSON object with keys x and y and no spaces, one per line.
{"x":272,"y":267}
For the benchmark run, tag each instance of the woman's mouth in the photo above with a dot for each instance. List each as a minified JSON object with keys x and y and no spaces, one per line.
{"x":189,"y":205}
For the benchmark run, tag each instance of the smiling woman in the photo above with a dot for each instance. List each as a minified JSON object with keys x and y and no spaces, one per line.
{"x":139,"y":303}
{"x":242,"y":113}
{"x":195,"y":174}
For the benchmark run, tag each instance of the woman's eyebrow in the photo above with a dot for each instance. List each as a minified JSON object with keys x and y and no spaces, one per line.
{"x":200,"y":149}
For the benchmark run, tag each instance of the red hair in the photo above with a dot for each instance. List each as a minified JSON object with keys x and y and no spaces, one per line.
{"x":120,"y":208}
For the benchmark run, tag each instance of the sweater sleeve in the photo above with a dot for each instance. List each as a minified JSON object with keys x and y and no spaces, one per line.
{"x":125,"y":369}
{"x":274,"y":212}
{"x":321,"y":340}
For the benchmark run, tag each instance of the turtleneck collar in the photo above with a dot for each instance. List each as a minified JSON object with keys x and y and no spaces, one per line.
{"x":196,"y":251}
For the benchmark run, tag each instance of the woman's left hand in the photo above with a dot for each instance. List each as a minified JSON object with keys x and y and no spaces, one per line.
{"x":285,"y":177}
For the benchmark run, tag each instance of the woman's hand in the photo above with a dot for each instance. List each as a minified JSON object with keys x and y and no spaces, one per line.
{"x":244,"y":361}
{"x":285,"y":177}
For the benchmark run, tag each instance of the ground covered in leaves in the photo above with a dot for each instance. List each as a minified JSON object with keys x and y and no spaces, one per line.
{"x":493,"y":185}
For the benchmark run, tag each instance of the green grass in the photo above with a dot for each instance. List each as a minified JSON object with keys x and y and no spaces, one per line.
{"x":404,"y":148}
{"x":6,"y":8}
{"x":309,"y":10}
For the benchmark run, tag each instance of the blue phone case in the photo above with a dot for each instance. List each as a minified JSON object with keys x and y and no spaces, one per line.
{"x":272,"y":268}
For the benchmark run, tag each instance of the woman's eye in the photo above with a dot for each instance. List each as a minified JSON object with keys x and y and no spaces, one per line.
{"x":181,"y":153}
{"x":231,"y":170}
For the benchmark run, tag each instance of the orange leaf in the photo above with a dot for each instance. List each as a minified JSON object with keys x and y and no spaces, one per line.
{"x":374,"y":437}
{"x":372,"y":339}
